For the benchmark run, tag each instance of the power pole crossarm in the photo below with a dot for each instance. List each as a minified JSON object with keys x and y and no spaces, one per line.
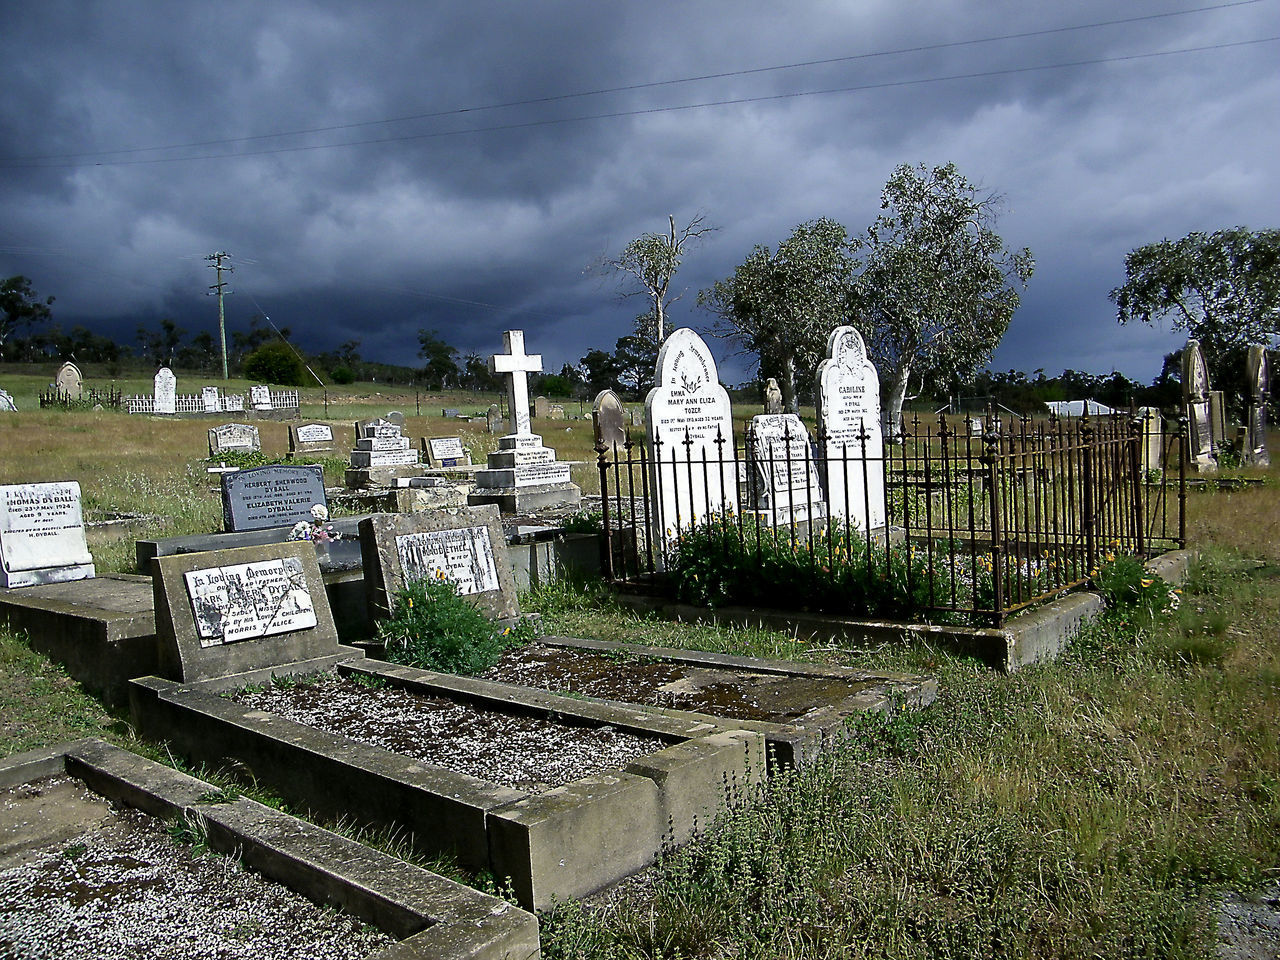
{"x":218,"y":262}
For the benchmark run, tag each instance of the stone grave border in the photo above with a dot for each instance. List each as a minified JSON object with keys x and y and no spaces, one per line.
{"x":431,"y":915}
{"x":564,"y":843}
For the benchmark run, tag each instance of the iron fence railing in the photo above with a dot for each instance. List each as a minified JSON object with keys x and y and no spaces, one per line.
{"x":982,"y":517}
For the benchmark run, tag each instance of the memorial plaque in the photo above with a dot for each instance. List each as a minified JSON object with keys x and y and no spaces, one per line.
{"x":689,"y":421}
{"x":466,"y":544}
{"x":166,"y":391}
{"x":446,"y":452}
{"x":851,"y":444}
{"x":271,"y":496}
{"x":314,"y":433}
{"x":42,"y":535}
{"x":247,"y":601}
{"x":238,"y":437}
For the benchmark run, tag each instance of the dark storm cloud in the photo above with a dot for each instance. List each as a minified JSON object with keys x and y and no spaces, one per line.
{"x":476,"y":221}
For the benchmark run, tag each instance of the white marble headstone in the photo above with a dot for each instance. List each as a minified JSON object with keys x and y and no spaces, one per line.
{"x":42,"y":534}
{"x":260,"y":396}
{"x":166,"y":391}
{"x":209,"y":396}
{"x":69,"y":381}
{"x":516,"y":365}
{"x":785,"y":478}
{"x":849,"y":431}
{"x":687,"y":413}
{"x":6,"y":403}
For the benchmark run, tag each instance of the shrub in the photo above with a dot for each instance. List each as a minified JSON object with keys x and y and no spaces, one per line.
{"x":342,"y":375}
{"x":275,"y":363}
{"x":432,"y":627}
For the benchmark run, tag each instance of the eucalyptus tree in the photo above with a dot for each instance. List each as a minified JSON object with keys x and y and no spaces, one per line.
{"x":650,"y":262}
{"x":938,"y":287}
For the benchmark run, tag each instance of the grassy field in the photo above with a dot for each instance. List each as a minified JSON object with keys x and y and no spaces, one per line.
{"x":1094,"y":807}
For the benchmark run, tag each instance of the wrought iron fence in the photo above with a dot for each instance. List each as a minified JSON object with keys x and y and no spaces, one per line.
{"x":968,"y":519}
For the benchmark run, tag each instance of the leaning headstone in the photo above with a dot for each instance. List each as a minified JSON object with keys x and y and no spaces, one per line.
{"x":1258,"y":383}
{"x":260,"y":396}
{"x":228,"y":612}
{"x":445,"y":452}
{"x":852,"y":446}
{"x":690,"y":434}
{"x":166,"y":391}
{"x":271,"y":496}
{"x":6,"y":403}
{"x":522,"y":475}
{"x":234,"y":437}
{"x":42,"y":535}
{"x":209,"y":398}
{"x":309,"y":438}
{"x":784,"y":478}
{"x":69,"y":381}
{"x":608,"y":417}
{"x":772,"y":397}
{"x":464,"y":545}
{"x":541,"y":408}
{"x":1151,"y":427}
{"x":1218,"y":419}
{"x":493,"y":419}
{"x":1195,"y":394}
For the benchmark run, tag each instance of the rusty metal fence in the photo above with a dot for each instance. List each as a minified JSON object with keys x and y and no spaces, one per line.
{"x":980,"y":517}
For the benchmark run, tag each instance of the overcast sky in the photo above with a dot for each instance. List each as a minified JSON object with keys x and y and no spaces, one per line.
{"x":380,"y":167}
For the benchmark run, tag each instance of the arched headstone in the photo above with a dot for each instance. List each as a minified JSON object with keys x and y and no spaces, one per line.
{"x":166,"y":391}
{"x":852,"y":445}
{"x":1195,"y":392}
{"x":69,"y":381}
{"x":608,"y":416}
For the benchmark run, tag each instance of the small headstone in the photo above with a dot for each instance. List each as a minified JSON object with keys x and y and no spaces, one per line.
{"x":233,"y":403}
{"x":772,"y":397}
{"x":69,"y":381}
{"x":396,"y":417}
{"x":450,"y":412}
{"x":6,"y":403}
{"x":166,"y":391}
{"x":260,"y":396}
{"x":1152,"y":433}
{"x":1195,"y":392}
{"x":493,"y":420}
{"x":690,"y":422}
{"x":637,"y":417}
{"x":238,"y":437}
{"x":541,"y":408}
{"x":555,"y":411}
{"x":42,"y":535}
{"x":608,"y":417}
{"x":209,"y":397}
{"x":464,"y":544}
{"x":227,"y":612}
{"x":1258,"y":384}
{"x":271,"y":496}
{"x":445,"y":452}
{"x":311,"y":438}
{"x":852,"y":454}
{"x":785,"y":479}
{"x":1218,"y":419}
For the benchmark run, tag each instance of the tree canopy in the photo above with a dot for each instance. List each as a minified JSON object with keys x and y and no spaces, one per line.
{"x":651,"y":260}
{"x":20,"y":306}
{"x":441,"y":368}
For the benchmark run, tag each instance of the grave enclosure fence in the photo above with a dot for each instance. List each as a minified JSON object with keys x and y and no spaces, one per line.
{"x":985,"y":517}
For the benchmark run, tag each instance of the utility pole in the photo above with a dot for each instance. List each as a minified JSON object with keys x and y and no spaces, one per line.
{"x":218,"y":262}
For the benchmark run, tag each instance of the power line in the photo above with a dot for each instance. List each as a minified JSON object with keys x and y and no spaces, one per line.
{"x":555,"y":98}
{"x":645,"y":111}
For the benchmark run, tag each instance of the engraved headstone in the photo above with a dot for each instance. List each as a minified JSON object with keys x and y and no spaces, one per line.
{"x":852,"y":451}
{"x":450,"y":412}
{"x":784,"y":478}
{"x":228,"y":612}
{"x":541,"y":407}
{"x":310,"y":438}
{"x":69,"y":381}
{"x":238,"y":437}
{"x":260,"y":396}
{"x":6,"y":403}
{"x":445,"y":452}
{"x":233,"y":403}
{"x":271,"y":496}
{"x":209,"y":397}
{"x":1195,"y":393}
{"x":772,"y":397}
{"x":465,"y":545}
{"x":42,"y":535}
{"x":1258,"y":384}
{"x":690,"y":435}
{"x":555,"y":411}
{"x":1218,"y":419}
{"x":166,"y":391}
{"x":381,"y":444}
{"x":396,"y":417}
{"x":608,"y":417}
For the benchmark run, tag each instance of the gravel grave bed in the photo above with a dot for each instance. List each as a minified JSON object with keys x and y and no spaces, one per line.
{"x":114,"y":884}
{"x":718,"y":691}
{"x":527,"y":753}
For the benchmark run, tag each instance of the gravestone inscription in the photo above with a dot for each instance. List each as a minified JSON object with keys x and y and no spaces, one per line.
{"x":209,"y":397}
{"x":852,"y":446}
{"x":311,"y":438}
{"x":271,"y":496}
{"x":166,"y":391}
{"x":446,"y":452}
{"x":69,"y":381}
{"x":784,"y":478}
{"x":42,"y":534}
{"x":238,"y":437}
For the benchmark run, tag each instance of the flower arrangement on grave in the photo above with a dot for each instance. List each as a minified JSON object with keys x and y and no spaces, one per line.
{"x":320,"y":531}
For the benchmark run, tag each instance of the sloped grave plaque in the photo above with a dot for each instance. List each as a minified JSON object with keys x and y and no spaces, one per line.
{"x":87,"y":869}
{"x":272,"y":496}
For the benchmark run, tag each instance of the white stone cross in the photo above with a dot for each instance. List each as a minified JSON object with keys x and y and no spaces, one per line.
{"x":517,"y":365}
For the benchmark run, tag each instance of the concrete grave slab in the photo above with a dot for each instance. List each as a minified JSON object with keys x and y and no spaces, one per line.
{"x":271,"y":496}
{"x":429,"y":916}
{"x":311,"y":438}
{"x":466,"y":544}
{"x":42,"y":536}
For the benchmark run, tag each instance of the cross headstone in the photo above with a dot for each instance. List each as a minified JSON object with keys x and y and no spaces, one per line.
{"x":271,"y":496}
{"x":465,"y":544}
{"x":772,"y":397}
{"x":166,"y":391}
{"x":239,"y":437}
{"x":516,"y":366}
{"x":209,"y":397}
{"x":42,"y":535}
{"x":852,"y":446}
{"x":690,"y":435}
{"x":69,"y":381}
{"x":1258,"y":383}
{"x":608,"y":417}
{"x":1195,"y":392}
{"x":784,"y":480}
